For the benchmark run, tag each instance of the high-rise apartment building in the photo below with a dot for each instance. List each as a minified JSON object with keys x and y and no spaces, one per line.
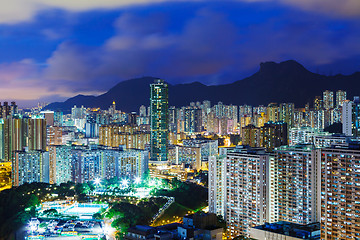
{"x":273,"y":135}
{"x":340,"y":98}
{"x":251,"y":136}
{"x":273,"y":112}
{"x":217,"y":180}
{"x":286,"y":114}
{"x":30,"y":166}
{"x":328,"y":99}
{"x":37,"y":134}
{"x":356,"y":117}
{"x":159,"y":121}
{"x":340,"y":198}
{"x":130,"y":136}
{"x":318,"y":103}
{"x":192,"y":120}
{"x":351,"y":117}
{"x":298,"y":178}
{"x":347,"y":118}
{"x":245,"y":189}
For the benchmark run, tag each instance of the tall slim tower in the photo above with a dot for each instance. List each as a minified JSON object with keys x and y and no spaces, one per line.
{"x":340,"y":98}
{"x":328,"y":99}
{"x":159,"y":121}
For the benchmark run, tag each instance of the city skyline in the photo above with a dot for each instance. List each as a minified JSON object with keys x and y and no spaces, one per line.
{"x":56,"y":49}
{"x":190,"y":119}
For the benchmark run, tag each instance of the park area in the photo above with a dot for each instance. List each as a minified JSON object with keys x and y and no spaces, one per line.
{"x":95,"y":210}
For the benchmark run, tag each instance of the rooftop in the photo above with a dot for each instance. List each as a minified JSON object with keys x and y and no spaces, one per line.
{"x":309,"y":231}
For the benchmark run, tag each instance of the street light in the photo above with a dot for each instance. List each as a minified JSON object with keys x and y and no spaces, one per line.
{"x":97,"y":181}
{"x":137,"y":180}
{"x":124,"y":182}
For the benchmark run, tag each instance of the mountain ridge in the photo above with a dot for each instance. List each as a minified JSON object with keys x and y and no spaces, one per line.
{"x":286,"y":81}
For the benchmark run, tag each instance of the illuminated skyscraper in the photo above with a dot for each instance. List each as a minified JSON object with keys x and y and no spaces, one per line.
{"x":273,"y":135}
{"x":159,"y":121}
{"x":351,"y":117}
{"x":340,"y":98}
{"x":37,"y":134}
{"x":251,"y":136}
{"x":340,"y":200}
{"x":298,"y":170}
{"x":318,"y":103}
{"x":192,"y":119}
{"x":328,"y":99}
{"x":246,"y":186}
{"x":286,"y":114}
{"x":30,"y":166}
{"x":356,"y":117}
{"x":273,"y":112}
{"x":347,"y":118}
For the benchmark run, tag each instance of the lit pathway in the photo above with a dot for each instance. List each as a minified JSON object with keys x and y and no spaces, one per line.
{"x":161,"y":211}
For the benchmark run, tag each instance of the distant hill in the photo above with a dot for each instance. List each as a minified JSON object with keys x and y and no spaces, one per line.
{"x":287,"y":81}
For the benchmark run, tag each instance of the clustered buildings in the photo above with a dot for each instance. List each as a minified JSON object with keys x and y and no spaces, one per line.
{"x":269,"y":167}
{"x":309,"y":180}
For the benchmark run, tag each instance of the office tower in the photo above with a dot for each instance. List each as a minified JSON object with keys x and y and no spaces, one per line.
{"x":245,"y":189}
{"x":30,"y":166}
{"x":340,"y":98}
{"x":347,"y":118}
{"x":318,"y":103}
{"x":273,"y":135}
{"x":159,"y":121}
{"x":340,"y":199}
{"x":328,"y":99}
{"x":37,"y":134}
{"x":217,"y":180}
{"x":298,"y":180}
{"x":251,"y":136}
{"x":286,"y":114}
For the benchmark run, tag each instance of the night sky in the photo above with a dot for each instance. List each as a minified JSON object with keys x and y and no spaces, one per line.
{"x":54,"y":49}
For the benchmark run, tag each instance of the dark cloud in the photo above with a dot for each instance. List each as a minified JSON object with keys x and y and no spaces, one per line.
{"x":212,"y":45}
